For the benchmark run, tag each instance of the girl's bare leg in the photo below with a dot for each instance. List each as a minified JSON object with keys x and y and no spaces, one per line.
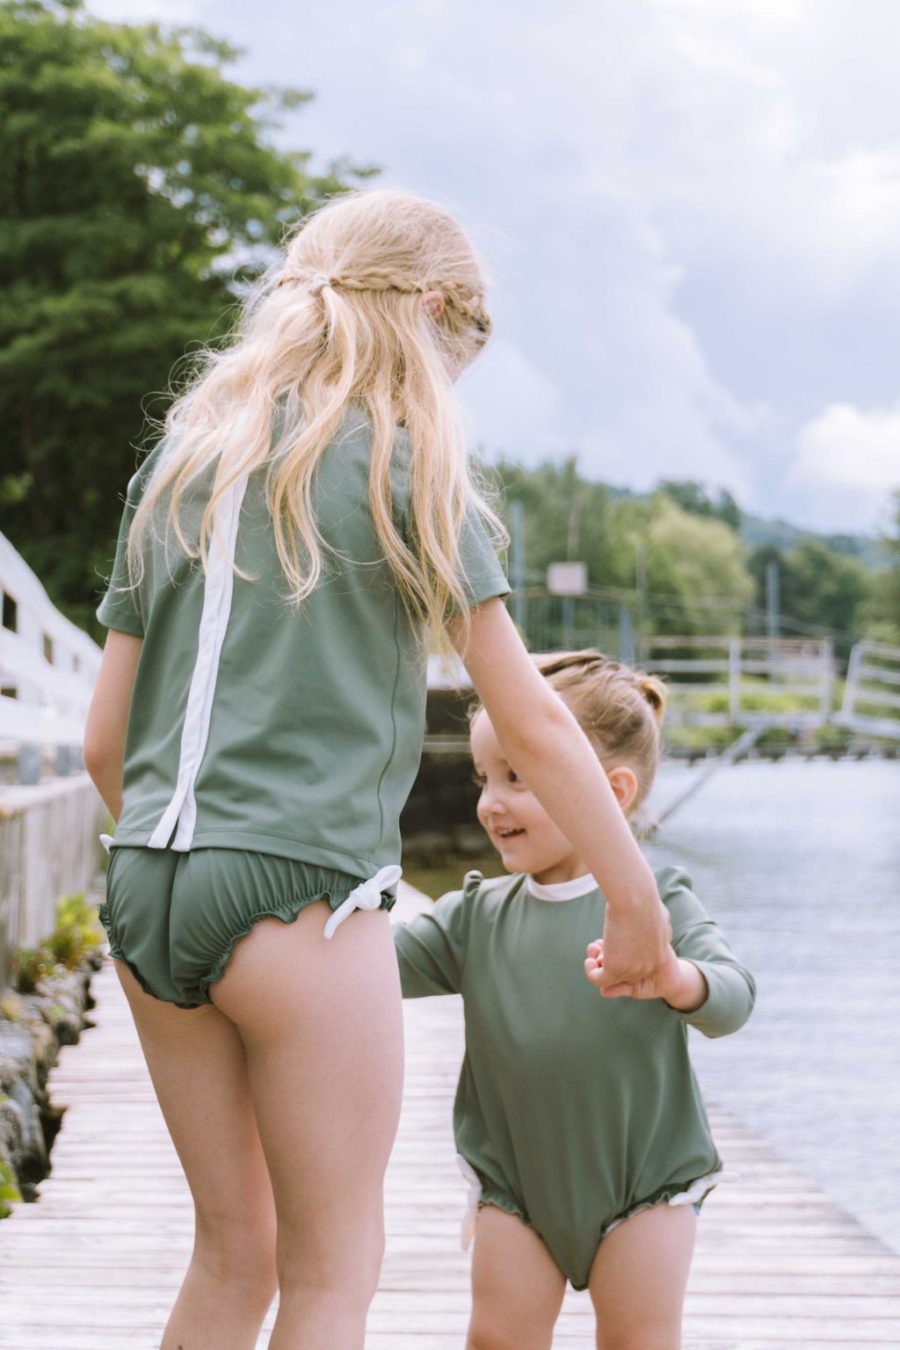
{"x":199,"y":1069}
{"x":322,"y":1025}
{"x":639,"y":1277}
{"x":517,"y":1287}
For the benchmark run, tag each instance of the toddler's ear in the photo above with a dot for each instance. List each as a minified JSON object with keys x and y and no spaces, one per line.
{"x":624,"y":783}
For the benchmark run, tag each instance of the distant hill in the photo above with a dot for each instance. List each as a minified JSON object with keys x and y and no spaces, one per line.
{"x":757,"y":530}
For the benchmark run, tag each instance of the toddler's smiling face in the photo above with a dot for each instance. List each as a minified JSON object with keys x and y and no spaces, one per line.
{"x":517,"y":825}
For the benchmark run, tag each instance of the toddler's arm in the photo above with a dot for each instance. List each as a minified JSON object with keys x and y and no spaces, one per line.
{"x":701,"y":977}
{"x":431,"y":948}
{"x":679,"y":982}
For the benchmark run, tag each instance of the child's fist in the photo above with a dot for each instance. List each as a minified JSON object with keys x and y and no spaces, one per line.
{"x":593,"y":969}
{"x":678,"y":982}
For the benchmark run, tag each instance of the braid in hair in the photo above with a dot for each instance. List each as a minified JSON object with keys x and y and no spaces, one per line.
{"x":468,"y":304}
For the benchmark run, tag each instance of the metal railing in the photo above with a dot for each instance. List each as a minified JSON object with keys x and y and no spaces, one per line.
{"x":872,"y":693}
{"x":779,"y":681}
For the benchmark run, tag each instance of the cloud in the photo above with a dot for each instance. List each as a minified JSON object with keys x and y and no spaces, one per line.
{"x":848,"y":464}
{"x":692,"y":209}
{"x":145,"y":11}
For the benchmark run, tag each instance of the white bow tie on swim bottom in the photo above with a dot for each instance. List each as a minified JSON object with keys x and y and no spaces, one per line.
{"x":467,"y":1231}
{"x":367,"y":895}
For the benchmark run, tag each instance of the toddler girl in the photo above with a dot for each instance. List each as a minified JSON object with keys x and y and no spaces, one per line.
{"x":574,"y":1112}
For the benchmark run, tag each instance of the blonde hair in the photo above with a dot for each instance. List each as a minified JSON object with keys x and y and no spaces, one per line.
{"x":340,"y":321}
{"x":619,"y":709}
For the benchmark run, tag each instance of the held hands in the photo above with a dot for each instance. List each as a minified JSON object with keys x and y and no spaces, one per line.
{"x":636,"y":950}
{"x":679,"y":983}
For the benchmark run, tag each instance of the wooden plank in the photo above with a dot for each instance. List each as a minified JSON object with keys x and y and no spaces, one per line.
{"x":96,"y":1263}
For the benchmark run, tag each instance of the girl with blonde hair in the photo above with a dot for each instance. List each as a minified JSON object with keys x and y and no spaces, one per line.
{"x":578,"y":1120}
{"x":303,"y":531}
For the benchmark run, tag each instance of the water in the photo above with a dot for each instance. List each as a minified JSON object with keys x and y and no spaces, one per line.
{"x":800,"y":863}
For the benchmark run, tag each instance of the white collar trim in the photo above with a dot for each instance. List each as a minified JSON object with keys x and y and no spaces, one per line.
{"x":562,"y":890}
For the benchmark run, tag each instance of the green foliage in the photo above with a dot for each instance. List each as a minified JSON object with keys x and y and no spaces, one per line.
{"x":823,"y":591}
{"x":9,"y":1191}
{"x":691,"y":741}
{"x":696,"y":577}
{"x":76,"y":935}
{"x":77,"y":916}
{"x":566,"y":517}
{"x":882,"y":610}
{"x":10,"y":1007}
{"x":694,"y":498}
{"x":31,"y":965}
{"x":677,"y":562}
{"x":680,"y":571}
{"x":139,"y":188}
{"x":833,"y":738}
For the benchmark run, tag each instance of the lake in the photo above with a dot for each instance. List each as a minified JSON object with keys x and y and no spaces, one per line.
{"x":800,"y":863}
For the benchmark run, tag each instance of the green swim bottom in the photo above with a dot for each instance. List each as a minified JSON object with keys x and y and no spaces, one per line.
{"x":174,"y":918}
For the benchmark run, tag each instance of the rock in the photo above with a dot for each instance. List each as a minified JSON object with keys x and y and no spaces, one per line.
{"x":21,"y":1112}
{"x":32,"y":1028}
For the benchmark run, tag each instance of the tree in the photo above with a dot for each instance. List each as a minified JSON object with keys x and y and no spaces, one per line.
{"x":139,"y":189}
{"x":881,"y":615}
{"x":566,"y":517}
{"x":820,"y":590}
{"x":696,"y":576}
{"x":694,"y":498}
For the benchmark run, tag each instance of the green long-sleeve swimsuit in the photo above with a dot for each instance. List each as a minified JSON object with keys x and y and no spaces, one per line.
{"x":575,"y":1111}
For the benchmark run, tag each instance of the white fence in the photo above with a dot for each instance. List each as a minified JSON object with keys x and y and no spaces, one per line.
{"x":48,"y":850}
{"x":48,"y":831}
{"x":777,"y":681}
{"x":872,"y":694}
{"x":47,"y":664}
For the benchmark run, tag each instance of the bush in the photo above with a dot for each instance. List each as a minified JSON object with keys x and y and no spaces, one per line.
{"x":9,"y":1191}
{"x":76,"y":935}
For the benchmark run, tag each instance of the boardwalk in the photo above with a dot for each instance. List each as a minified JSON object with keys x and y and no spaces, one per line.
{"x":95,"y":1265}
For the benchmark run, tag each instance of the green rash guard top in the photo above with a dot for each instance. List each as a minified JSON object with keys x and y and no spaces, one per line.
{"x":574,"y":1111}
{"x":262,"y":726}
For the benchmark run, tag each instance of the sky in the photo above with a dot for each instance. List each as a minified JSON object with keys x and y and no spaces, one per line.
{"x":690,"y":211}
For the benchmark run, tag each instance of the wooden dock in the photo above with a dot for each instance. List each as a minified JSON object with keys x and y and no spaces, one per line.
{"x":95,"y":1264}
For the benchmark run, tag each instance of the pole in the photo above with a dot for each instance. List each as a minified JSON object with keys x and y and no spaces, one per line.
{"x":517,"y":563}
{"x":772,"y":599}
{"x":640,"y":586}
{"x":626,"y":637}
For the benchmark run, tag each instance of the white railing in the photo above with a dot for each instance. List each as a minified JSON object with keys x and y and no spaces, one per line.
{"x":48,"y":849}
{"x":48,"y":830}
{"x":872,"y":694}
{"x":47,"y":664}
{"x":779,"y":681}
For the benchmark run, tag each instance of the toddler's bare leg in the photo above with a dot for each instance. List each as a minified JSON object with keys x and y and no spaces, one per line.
{"x":639,"y":1277}
{"x":517,"y":1287}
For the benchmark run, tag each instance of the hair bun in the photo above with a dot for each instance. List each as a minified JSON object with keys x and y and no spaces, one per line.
{"x":552,"y":663}
{"x":655,"y":693}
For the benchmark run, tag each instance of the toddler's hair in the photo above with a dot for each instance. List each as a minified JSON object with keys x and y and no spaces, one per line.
{"x":341,"y":320}
{"x":618,"y":708}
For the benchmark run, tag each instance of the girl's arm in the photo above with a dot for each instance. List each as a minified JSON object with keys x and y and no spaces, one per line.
{"x":547,"y":748}
{"x":107,"y":719}
{"x":701,"y":979}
